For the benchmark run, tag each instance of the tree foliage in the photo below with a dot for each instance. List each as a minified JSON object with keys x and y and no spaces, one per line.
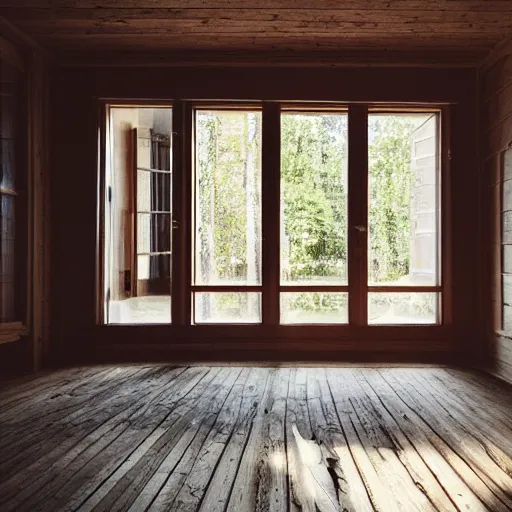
{"x":314,"y":224}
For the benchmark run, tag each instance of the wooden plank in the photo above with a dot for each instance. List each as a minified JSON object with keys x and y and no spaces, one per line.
{"x":283,"y":23}
{"x":59,"y":15}
{"x":203,"y":38}
{"x":432,"y":480}
{"x":351,"y":491}
{"x":302,"y":489}
{"x":81,"y":479}
{"x":491,"y":476}
{"x":261,"y":483}
{"x":20,"y":389}
{"x":385,"y":455}
{"x":18,"y":452}
{"x":105,"y":426}
{"x":412,"y":5}
{"x":200,"y":477}
{"x":497,"y":441}
{"x":377,"y":489}
{"x":468,"y":384}
{"x":122,"y":489}
{"x":217,"y":496}
{"x":461,"y":493}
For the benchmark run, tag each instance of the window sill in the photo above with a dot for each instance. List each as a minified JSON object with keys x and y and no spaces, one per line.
{"x":12,"y":331}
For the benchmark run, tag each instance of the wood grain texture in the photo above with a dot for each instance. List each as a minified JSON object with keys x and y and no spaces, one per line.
{"x":153,"y":437}
{"x":496,"y":109}
{"x":74,"y":28}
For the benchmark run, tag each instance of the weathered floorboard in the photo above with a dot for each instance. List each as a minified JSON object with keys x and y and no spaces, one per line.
{"x":152,"y":438}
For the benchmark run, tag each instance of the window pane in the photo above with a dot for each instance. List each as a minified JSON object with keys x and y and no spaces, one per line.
{"x":7,"y":259}
{"x":150,"y":309}
{"x":153,"y":232}
{"x":9,"y":118}
{"x":403,"y":200}
{"x":228,"y":197}
{"x":138,"y":281}
{"x":314,"y":308}
{"x":402,"y":308}
{"x":313,"y":199}
{"x":227,"y":308}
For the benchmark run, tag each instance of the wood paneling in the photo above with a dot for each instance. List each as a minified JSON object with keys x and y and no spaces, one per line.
{"x":496,"y":139}
{"x":240,"y":439}
{"x":454,"y":31}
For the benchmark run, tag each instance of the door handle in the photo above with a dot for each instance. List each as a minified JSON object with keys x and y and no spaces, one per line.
{"x":361,"y":229}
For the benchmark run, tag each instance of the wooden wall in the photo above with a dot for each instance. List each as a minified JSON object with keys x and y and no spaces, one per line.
{"x":32,"y":253}
{"x":75,"y":121}
{"x":496,"y":124}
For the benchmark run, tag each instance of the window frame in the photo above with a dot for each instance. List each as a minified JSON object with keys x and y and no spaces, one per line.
{"x":182,"y":289}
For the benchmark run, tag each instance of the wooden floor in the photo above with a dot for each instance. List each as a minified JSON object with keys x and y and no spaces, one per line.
{"x":268,"y":439}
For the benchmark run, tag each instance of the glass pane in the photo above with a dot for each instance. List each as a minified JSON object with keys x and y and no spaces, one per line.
{"x":227,"y":308}
{"x":314,"y":199}
{"x":314,"y":308}
{"x":140,"y":294}
{"x":155,"y":309}
{"x":403,"y":200}
{"x":402,"y":308}
{"x":228,"y":198}
{"x":7,"y":259}
{"x":153,"y":232}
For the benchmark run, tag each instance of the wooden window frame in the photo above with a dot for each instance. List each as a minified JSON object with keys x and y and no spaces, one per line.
{"x":182,"y":288}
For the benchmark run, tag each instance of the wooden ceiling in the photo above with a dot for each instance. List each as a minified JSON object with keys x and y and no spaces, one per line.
{"x":164,"y":31}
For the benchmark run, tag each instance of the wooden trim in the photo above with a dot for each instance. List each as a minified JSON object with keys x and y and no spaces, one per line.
{"x":186,"y":203}
{"x":228,"y":106}
{"x":226,"y":288}
{"x":134,"y":214}
{"x":405,"y":289}
{"x":358,"y":214}
{"x":271,"y":211}
{"x":400,"y":108}
{"x":103,"y":117}
{"x":445,"y":222}
{"x":177,"y":245}
{"x":237,"y":59}
{"x":313,"y":288}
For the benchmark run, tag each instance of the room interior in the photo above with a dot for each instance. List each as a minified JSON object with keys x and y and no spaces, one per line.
{"x":256,"y":256}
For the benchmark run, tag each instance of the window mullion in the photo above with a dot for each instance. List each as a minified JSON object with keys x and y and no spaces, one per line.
{"x":271,"y":164}
{"x":358,"y":214}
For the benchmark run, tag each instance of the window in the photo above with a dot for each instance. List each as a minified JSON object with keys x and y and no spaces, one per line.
{"x":10,"y":260}
{"x":273,"y":215}
{"x":403,"y":218}
{"x":139,"y":212}
{"x":313,"y":234}
{"x":227,"y":216}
